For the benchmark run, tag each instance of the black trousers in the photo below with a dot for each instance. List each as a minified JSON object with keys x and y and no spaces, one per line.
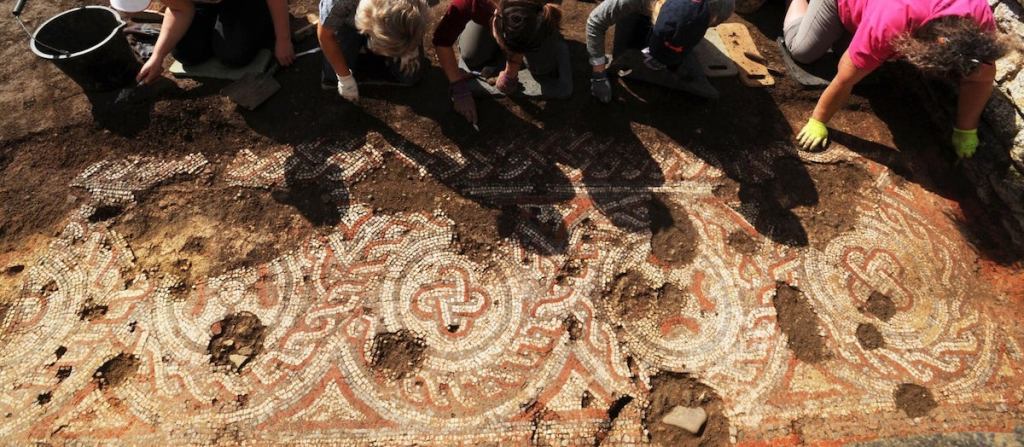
{"x":233,"y":31}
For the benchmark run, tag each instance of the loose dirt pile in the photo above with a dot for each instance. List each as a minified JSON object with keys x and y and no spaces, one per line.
{"x":669,"y":390}
{"x":397,"y":187}
{"x":914,"y":400}
{"x":397,"y":355}
{"x":116,"y":371}
{"x":673,"y":238}
{"x":633,"y":299}
{"x":798,"y":320}
{"x":236,"y":340}
{"x":879,"y":305}
{"x":869,"y":337}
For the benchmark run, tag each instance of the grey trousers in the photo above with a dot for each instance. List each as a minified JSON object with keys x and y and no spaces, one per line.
{"x":809,"y":37}
{"x":549,"y":64}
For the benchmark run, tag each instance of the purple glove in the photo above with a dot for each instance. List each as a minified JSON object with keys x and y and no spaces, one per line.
{"x":508,"y":82}
{"x":462,"y":99}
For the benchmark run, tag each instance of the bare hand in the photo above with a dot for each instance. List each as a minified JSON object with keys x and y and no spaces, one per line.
{"x":284,"y":51}
{"x":151,"y":70}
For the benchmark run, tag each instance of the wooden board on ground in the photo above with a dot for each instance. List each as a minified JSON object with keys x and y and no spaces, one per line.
{"x":714,"y":57}
{"x":742,"y":50}
{"x":214,"y":69}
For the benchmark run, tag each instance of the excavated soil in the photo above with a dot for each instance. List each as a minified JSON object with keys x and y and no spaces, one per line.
{"x":673,"y":238}
{"x":669,"y":390}
{"x":869,"y":337}
{"x":914,"y":400}
{"x":798,"y":320}
{"x":396,"y":355}
{"x":116,"y":371}
{"x":236,"y":340}
{"x":397,"y":187}
{"x":818,"y":200}
{"x":632,"y":298}
{"x":880,"y":306}
{"x":201,"y":228}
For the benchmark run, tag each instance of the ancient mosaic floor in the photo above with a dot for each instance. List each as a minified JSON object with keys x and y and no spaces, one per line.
{"x":522,"y":350}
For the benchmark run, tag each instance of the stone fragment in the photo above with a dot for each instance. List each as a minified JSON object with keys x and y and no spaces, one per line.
{"x":691,"y":419}
{"x":237,"y":360}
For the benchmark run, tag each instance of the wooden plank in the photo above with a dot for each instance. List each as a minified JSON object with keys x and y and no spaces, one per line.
{"x":737,"y":40}
{"x":714,"y":56}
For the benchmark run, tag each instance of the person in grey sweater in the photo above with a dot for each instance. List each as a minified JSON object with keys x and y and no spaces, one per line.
{"x":665,"y":30}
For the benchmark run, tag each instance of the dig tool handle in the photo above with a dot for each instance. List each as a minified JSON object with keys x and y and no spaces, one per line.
{"x":18,"y":7}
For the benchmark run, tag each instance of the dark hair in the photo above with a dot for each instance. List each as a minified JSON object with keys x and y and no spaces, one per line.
{"x":522,"y":25}
{"x":950,"y":47}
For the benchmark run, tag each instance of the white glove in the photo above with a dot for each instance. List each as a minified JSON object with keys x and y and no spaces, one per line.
{"x":348,"y":88}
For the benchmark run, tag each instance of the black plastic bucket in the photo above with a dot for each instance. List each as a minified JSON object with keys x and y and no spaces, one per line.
{"x":87,"y":45}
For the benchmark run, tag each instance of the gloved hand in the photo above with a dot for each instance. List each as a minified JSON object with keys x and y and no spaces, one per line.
{"x":600,"y":87}
{"x":348,"y":88}
{"x":651,"y":62}
{"x":462,"y":99}
{"x":508,"y":81}
{"x":965,"y":142}
{"x":814,"y":135}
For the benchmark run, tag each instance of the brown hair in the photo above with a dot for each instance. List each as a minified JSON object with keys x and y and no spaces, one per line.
{"x":522,"y":25}
{"x":950,"y":47}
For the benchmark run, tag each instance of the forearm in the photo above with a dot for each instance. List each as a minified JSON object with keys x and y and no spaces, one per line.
{"x":279,"y":15}
{"x":603,"y":17}
{"x":974,"y":94}
{"x":177,"y":19}
{"x":332,"y":50}
{"x":832,"y":99}
{"x":450,"y":66}
{"x":514,"y":62}
{"x":838,"y":91}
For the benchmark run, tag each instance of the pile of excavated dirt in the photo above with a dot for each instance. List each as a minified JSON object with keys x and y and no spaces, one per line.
{"x":396,"y":355}
{"x":236,"y":340}
{"x":669,"y":390}
{"x":798,"y":320}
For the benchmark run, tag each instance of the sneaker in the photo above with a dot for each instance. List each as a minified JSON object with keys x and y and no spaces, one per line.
{"x":329,"y":84}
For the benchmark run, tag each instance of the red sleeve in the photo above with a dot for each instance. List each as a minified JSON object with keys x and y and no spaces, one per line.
{"x":459,"y":13}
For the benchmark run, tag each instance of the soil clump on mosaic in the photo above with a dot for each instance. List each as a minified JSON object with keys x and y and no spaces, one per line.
{"x":799,"y":321}
{"x":671,"y":390}
{"x":116,"y":371}
{"x":633,"y":299}
{"x":396,"y":355}
{"x":914,"y":400}
{"x":673,"y":237}
{"x":236,"y":340}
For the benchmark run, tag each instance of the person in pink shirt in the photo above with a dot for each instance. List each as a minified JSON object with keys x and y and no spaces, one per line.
{"x":956,"y":39}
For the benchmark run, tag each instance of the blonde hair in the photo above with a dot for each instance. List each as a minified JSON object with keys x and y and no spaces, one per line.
{"x":394,"y":28}
{"x":656,"y":9}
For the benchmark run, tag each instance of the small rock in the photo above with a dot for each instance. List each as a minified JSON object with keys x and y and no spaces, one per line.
{"x":691,"y":419}
{"x":237,"y":360}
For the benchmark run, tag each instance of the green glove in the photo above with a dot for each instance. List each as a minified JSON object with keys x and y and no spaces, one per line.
{"x":965,"y":142}
{"x":813,"y":136}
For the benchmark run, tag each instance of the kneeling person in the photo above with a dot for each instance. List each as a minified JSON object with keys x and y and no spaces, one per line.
{"x":954,"y":39}
{"x":232,"y":31}
{"x":665,"y":30}
{"x":356,"y":34}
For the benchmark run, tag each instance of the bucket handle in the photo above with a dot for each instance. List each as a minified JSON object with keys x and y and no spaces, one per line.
{"x":16,"y":12}
{"x":18,"y":7}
